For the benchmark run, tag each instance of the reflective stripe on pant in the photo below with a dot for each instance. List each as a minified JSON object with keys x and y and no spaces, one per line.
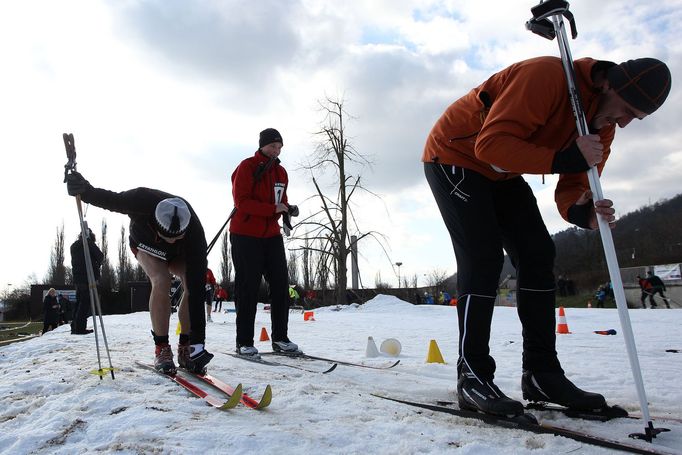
{"x":483,"y":217}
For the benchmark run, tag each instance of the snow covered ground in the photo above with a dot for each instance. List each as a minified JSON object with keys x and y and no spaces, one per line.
{"x":49,"y":403}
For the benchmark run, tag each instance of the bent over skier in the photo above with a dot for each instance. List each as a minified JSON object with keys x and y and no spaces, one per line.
{"x":166,"y":238}
{"x":518,"y":122}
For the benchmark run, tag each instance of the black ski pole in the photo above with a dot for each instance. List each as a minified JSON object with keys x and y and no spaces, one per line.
{"x":95,"y":306}
{"x":257,"y":176}
{"x":548,"y":22}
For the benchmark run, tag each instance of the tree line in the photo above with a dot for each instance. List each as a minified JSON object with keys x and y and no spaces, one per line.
{"x":648,"y":236}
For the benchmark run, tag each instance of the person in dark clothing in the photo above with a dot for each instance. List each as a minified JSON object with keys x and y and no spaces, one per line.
{"x":80,"y":280}
{"x":259,"y":187}
{"x":210,"y":293}
{"x":220,"y":297}
{"x":647,"y":291}
{"x":520,"y":121}
{"x":64,"y":309}
{"x":51,"y":311}
{"x":657,"y":287}
{"x":166,"y":238}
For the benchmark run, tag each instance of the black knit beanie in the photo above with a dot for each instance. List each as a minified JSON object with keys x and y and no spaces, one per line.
{"x":643,"y":83}
{"x":268,"y":136}
{"x":172,"y":217}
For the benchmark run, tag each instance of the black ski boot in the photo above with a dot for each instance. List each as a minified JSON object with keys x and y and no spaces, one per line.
{"x":554,"y":387}
{"x":198,"y":360}
{"x":476,"y":394}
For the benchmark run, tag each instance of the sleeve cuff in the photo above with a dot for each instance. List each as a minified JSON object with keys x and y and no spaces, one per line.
{"x":580,"y":214}
{"x":569,"y":161}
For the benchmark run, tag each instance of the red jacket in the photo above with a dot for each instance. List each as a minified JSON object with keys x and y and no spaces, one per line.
{"x":256,"y":201}
{"x":210,"y":279}
{"x":221,"y":293}
{"x":529,"y":120}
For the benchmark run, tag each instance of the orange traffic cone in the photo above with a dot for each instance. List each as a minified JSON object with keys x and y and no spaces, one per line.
{"x":561,"y":326}
{"x":264,"y":335}
{"x":308,"y":315}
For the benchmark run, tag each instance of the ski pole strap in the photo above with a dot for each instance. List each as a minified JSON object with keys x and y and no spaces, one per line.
{"x":263,"y":168}
{"x":540,"y":23}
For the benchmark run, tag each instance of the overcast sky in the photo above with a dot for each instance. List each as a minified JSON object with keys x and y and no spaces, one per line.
{"x":172,"y":95}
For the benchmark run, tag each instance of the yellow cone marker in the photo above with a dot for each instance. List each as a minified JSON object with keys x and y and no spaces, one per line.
{"x":434,"y":355}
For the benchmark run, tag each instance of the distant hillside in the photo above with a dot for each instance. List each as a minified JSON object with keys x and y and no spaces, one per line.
{"x":650,"y":235}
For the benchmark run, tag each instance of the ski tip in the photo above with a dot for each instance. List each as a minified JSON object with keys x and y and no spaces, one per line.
{"x":266,"y":399}
{"x":234,"y":400}
{"x":333,"y":367}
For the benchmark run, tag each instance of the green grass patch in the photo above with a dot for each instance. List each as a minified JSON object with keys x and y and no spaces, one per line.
{"x":16,"y":331}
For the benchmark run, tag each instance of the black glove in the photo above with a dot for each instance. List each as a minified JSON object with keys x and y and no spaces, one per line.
{"x":293,"y":210}
{"x":76,"y":184}
{"x":286,"y":224}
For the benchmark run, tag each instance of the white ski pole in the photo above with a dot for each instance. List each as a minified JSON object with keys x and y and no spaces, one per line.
{"x":541,"y":25}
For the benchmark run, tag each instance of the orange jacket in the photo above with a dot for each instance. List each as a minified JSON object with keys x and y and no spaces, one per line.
{"x":529,"y":119}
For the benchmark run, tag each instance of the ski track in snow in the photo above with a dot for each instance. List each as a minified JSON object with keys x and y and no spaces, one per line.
{"x":50,"y":404}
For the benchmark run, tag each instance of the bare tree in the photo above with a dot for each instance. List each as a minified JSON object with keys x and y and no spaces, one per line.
{"x":56,"y":273}
{"x":330,"y":227}
{"x":225,"y":262}
{"x":124,"y":269}
{"x":413,"y":280}
{"x":306,"y":265}
{"x":436,"y":278}
{"x":379,"y":283}
{"x":107,"y":275}
{"x":292,"y":266}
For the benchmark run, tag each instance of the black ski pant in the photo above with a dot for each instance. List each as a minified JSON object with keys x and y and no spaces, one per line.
{"x":483,"y":217}
{"x":254,"y":258}
{"x":81,"y":310}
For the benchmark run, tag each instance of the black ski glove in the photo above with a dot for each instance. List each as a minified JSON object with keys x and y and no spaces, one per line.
{"x":286,"y":224}
{"x":293,"y":210}
{"x":76,"y":184}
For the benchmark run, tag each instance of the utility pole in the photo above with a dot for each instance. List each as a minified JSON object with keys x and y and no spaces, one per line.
{"x":398,"y":264}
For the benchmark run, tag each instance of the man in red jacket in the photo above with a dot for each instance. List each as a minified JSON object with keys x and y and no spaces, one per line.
{"x":518,"y":122}
{"x":259,"y":187}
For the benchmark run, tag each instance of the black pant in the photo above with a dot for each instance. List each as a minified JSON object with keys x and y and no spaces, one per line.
{"x":81,"y":310}
{"x":483,"y":217}
{"x":254,"y":258}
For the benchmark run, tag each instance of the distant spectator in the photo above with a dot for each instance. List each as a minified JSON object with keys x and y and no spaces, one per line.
{"x":210,"y":292}
{"x":446,"y":298}
{"x":600,"y":296}
{"x":428,"y":298}
{"x":309,"y":299}
{"x":657,"y":287}
{"x":51,"y":310}
{"x":417,"y":299}
{"x":646,"y":289}
{"x":293,"y":296}
{"x":81,"y":309}
{"x":64,"y":309}
{"x":220,"y":296}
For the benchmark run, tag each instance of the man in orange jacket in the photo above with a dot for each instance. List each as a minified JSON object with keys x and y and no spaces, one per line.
{"x":520,"y":121}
